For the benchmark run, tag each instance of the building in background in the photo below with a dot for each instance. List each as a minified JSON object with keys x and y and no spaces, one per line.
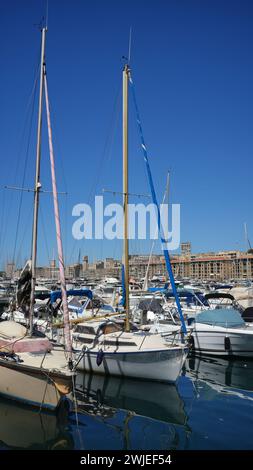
{"x":186,"y":248}
{"x":211,"y":266}
{"x":10,"y":269}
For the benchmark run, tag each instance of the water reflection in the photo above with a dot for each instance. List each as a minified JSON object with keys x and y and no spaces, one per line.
{"x":220,"y":409}
{"x":130,"y":414}
{"x":221,"y":373}
{"x":24,"y":427}
{"x":211,"y":407}
{"x":158,"y":401}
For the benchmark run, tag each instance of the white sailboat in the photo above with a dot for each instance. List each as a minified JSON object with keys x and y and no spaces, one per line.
{"x":31,"y":370}
{"x":112,"y":348}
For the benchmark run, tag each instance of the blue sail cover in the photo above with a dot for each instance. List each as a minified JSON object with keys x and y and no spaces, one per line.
{"x":163,"y":290}
{"x":191,"y":297}
{"x":225,"y":317}
{"x":75,"y":292}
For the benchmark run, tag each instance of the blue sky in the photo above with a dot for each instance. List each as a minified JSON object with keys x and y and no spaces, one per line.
{"x":192,"y":65}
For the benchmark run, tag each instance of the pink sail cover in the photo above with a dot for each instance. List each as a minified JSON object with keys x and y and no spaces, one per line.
{"x":32,"y":345}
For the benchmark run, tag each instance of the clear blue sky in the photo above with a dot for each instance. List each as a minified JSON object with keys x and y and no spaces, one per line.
{"x":192,"y":63}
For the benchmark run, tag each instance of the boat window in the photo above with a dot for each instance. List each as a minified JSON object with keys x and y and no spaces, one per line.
{"x":84,"y":329}
{"x":82,"y":339}
{"x":108,"y":342}
{"x":107,"y":328}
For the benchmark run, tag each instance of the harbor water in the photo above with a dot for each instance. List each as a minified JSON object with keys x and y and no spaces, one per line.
{"x":210,"y":408}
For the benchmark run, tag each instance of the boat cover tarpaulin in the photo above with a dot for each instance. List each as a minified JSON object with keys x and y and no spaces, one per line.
{"x":225,"y":317}
{"x":152,"y":305}
{"x":75,"y":292}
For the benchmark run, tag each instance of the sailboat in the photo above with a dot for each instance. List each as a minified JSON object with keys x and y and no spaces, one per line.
{"x":114,"y":348}
{"x":31,"y":370}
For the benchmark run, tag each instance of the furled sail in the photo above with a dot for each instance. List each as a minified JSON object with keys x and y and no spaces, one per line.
{"x":24,"y":286}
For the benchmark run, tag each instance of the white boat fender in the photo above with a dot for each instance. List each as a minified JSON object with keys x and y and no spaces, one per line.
{"x":100,"y":356}
{"x":227,"y":344}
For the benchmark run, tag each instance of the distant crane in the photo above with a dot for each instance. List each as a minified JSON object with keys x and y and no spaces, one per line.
{"x":246,"y":236}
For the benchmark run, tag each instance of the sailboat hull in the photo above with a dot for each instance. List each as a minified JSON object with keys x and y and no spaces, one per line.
{"x":33,"y":386}
{"x":164,"y":365}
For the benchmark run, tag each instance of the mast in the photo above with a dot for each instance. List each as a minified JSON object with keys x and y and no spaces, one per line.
{"x":67,"y":335}
{"x":37,"y":185}
{"x":125,"y":191}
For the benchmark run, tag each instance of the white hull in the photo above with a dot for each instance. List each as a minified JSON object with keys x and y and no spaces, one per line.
{"x":164,"y":365}
{"x":217,"y":341}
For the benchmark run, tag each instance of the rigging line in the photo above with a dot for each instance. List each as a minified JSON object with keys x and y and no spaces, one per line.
{"x":130,"y":45}
{"x":2,"y":218}
{"x":60,"y":159}
{"x":166,"y":192}
{"x":24,"y":173}
{"x":107,"y":145}
{"x":46,"y":21}
{"x":160,"y":227}
{"x":27,"y":225}
{"x":59,"y":153}
{"x":22,"y":137}
{"x":30,"y":101}
{"x":44,"y":233}
{"x":108,"y":142}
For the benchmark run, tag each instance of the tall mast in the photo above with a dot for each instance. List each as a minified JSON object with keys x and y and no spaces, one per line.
{"x":37,"y":185}
{"x":125,"y":190}
{"x":67,"y":337}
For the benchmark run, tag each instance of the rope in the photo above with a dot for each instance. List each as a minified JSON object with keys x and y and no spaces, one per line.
{"x":154,"y":198}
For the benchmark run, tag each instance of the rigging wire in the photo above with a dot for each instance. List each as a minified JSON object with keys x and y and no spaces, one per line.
{"x":44,"y":232}
{"x":154,"y":198}
{"x":165,"y":196}
{"x":106,"y":153}
{"x":24,"y":172}
{"x":8,"y":207}
{"x":27,"y":226}
{"x":60,"y":159}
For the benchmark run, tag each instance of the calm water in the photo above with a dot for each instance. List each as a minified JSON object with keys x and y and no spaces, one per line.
{"x":211,"y":407}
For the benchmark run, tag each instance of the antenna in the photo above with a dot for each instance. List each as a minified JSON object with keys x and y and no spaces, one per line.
{"x":46,"y":14}
{"x":130,"y":44}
